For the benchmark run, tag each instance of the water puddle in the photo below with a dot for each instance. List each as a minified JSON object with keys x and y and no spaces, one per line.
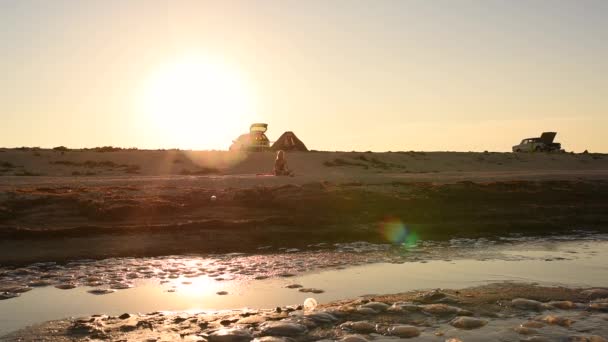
{"x":48,"y":291}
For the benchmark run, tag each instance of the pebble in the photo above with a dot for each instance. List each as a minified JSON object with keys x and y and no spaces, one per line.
{"x":230,"y":335}
{"x":8,"y":295}
{"x":273,"y":339}
{"x":310,"y":304}
{"x":525,"y":331}
{"x":353,"y":338}
{"x":443,"y":309}
{"x":282,"y":329}
{"x":527,"y":304}
{"x":376,"y":306}
{"x":563,"y":304}
{"x":222,"y":293}
{"x":100,"y":291}
{"x":595,"y":293}
{"x":557,"y":320}
{"x":404,"y":331}
{"x":65,"y":286}
{"x":311,"y":290}
{"x":359,"y":326}
{"x":468,"y":323}
{"x":293,"y":286}
{"x":599,"y":307}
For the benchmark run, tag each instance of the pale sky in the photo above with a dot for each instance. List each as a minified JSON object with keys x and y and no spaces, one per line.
{"x":342,"y":74}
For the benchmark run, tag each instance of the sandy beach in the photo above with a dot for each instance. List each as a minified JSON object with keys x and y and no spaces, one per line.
{"x":59,"y":205}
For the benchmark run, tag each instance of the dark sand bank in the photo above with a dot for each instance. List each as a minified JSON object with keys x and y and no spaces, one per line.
{"x":504,"y":311}
{"x":60,"y":221}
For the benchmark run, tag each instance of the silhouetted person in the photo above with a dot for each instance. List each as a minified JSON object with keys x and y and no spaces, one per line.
{"x":280,"y":165}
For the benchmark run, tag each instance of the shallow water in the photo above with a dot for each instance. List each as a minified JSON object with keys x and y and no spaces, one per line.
{"x":188,"y":283}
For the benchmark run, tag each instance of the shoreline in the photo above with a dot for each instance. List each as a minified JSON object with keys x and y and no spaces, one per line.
{"x":507,"y":311}
{"x":68,"y":221}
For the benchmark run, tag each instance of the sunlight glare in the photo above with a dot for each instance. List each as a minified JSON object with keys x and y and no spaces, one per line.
{"x":198,"y":103}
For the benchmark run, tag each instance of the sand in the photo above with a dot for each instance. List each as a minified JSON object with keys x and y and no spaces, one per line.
{"x":505,"y":312}
{"x":58,"y":205}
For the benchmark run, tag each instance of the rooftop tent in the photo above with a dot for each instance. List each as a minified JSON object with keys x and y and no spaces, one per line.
{"x":289,"y":142}
{"x":547,"y":137}
{"x":258,"y":127}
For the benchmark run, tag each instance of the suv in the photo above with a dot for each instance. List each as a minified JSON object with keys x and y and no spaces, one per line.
{"x":255,"y":140}
{"x":543,"y":144}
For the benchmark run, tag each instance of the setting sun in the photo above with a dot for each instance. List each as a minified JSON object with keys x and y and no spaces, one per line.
{"x":197,"y":101}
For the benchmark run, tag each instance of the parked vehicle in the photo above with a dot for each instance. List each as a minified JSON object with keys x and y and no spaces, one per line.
{"x":255,"y":140}
{"x":543,"y":144}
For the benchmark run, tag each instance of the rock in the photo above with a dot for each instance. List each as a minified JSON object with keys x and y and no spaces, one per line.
{"x":595,"y":293}
{"x":282,"y":329}
{"x":66,"y":286}
{"x":563,"y":305}
{"x":120,"y":286}
{"x":222,"y":293}
{"x":453,"y":339}
{"x":430,"y":296}
{"x":536,"y":339}
{"x":124,"y":316}
{"x":101,"y":291}
{"x":359,"y":327}
{"x":595,"y":338}
{"x":443,"y":309}
{"x":366,"y":311}
{"x":39,"y":283}
{"x":230,"y":335}
{"x":310,"y":304}
{"x":293,"y":286}
{"x":8,"y":295}
{"x":603,"y":307}
{"x":556,"y":320}
{"x":404,"y":331}
{"x":311,"y":290}
{"x":376,"y":306}
{"x":403,"y":307}
{"x":527,"y":304}
{"x":532,"y":324}
{"x":353,"y":338}
{"x":273,"y":339}
{"x":321,"y":317}
{"x":468,"y":323}
{"x":525,"y":331}
{"x":255,"y":319}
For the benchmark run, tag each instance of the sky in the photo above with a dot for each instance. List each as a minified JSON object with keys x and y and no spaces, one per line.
{"x":381,"y":75}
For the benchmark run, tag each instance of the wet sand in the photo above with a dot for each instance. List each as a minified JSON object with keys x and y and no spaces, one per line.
{"x":506,"y":312}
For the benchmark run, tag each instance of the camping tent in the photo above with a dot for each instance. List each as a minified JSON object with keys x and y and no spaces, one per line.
{"x":289,"y":142}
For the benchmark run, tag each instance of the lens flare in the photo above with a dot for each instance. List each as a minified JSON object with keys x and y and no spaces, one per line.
{"x":396,"y":232}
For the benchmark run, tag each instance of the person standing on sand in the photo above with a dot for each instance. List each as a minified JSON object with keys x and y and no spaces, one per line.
{"x":280,"y":165}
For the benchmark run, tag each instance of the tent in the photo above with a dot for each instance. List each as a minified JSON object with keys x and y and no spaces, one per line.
{"x":288,"y":142}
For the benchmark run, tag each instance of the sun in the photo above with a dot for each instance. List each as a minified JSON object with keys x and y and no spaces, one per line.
{"x":197,"y":103}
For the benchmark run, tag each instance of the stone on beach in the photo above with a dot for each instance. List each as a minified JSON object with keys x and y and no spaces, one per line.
{"x":468,"y":323}
{"x":527,"y":304}
{"x":359,"y":326}
{"x":282,"y":329}
{"x":557,"y":320}
{"x":230,"y":335}
{"x":595,"y":293}
{"x":101,"y":291}
{"x":376,"y":306}
{"x":353,"y":338}
{"x":563,"y":304}
{"x":404,"y":331}
{"x":65,"y":286}
{"x":443,"y":309}
{"x":311,"y":290}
